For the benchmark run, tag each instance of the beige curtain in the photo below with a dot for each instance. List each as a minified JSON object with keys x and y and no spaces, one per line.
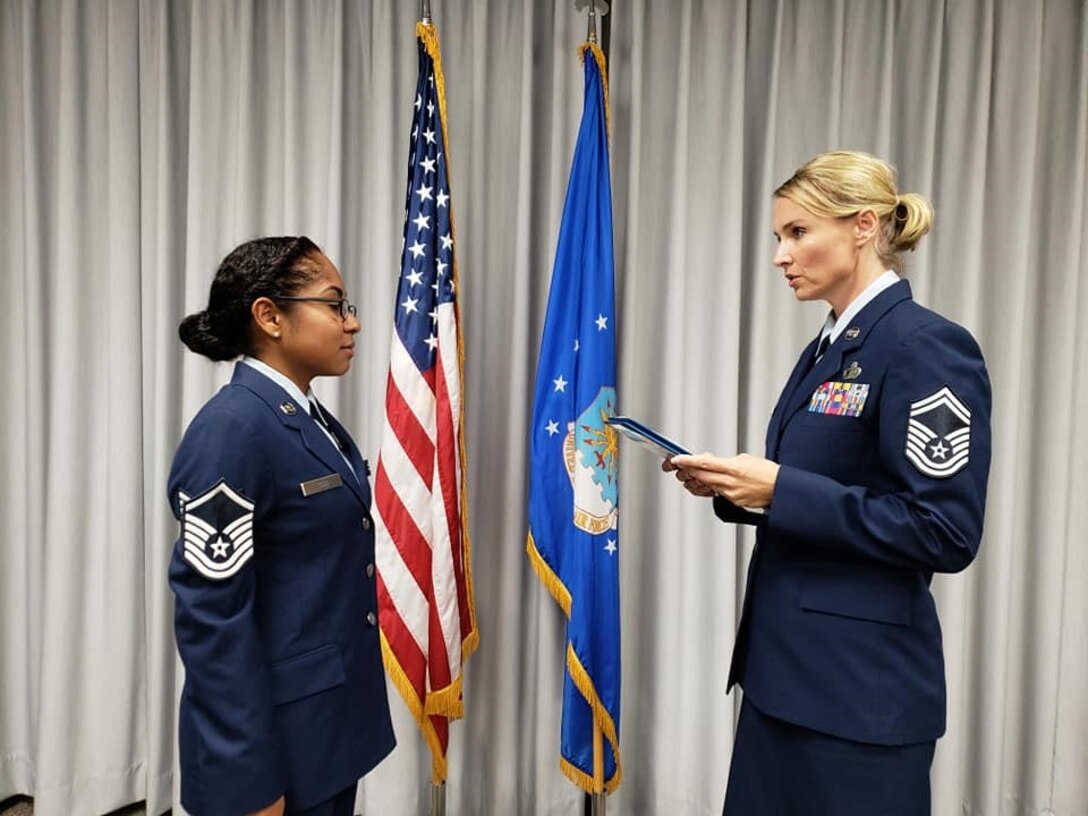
{"x":141,"y":140}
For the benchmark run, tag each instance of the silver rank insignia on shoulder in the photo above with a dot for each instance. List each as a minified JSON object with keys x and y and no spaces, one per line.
{"x":288,"y":408}
{"x":852,"y":371}
{"x":217,"y":531}
{"x":852,"y":332}
{"x":939,"y":434}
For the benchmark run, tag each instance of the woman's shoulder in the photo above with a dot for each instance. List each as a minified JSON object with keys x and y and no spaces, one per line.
{"x":915,"y":325}
{"x":232,"y":412}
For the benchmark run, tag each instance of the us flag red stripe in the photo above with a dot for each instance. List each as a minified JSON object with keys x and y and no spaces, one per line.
{"x":425,"y":603}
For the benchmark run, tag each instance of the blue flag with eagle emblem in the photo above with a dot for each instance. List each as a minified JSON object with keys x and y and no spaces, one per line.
{"x":573,"y":493}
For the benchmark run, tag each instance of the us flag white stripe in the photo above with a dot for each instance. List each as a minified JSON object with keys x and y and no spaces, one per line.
{"x":409,"y":601}
{"x":415,"y":390}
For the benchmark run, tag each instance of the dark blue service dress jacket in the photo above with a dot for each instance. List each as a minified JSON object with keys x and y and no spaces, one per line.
{"x":884,"y":448}
{"x":276,"y":606}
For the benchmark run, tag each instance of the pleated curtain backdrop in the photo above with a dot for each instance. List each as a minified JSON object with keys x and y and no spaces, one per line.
{"x":140,"y":140}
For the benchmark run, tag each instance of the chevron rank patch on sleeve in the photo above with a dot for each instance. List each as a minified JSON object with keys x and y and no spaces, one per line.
{"x":939,"y":434}
{"x":217,"y":528}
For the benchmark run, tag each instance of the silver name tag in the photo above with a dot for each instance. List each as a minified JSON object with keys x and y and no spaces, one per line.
{"x":315,"y":486}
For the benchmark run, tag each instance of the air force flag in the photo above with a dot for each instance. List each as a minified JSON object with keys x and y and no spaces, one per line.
{"x":573,"y":496}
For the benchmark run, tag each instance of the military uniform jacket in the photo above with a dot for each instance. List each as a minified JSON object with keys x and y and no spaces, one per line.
{"x":884,"y":453}
{"x":276,"y":606}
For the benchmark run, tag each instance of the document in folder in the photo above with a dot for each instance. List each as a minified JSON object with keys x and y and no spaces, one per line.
{"x":645,"y":436}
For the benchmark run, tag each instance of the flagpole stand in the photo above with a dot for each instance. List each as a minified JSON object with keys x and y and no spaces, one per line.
{"x":438,"y":799}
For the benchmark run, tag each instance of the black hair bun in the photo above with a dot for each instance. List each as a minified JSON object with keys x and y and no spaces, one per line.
{"x":199,"y":335}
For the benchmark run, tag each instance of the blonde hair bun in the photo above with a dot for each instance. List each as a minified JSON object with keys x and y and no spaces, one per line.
{"x":913,"y":217}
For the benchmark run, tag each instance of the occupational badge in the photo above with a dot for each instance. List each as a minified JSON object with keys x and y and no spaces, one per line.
{"x":939,"y":434}
{"x":852,"y":371}
{"x":217,"y":531}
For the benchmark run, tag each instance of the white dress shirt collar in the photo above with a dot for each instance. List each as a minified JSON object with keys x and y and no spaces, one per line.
{"x":835,"y":327}
{"x":283,"y":381}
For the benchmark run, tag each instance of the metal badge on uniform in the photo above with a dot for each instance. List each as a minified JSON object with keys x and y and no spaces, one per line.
{"x":852,"y":332}
{"x":288,"y":408}
{"x":315,"y":486}
{"x":839,"y":399}
{"x":217,"y":528}
{"x":939,"y":434}
{"x":852,"y":371}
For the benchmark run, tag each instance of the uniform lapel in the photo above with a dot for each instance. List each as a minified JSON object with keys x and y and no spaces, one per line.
{"x":360,"y":465}
{"x":298,"y":417}
{"x":774,"y":427}
{"x":802,"y":384}
{"x":825,"y":369}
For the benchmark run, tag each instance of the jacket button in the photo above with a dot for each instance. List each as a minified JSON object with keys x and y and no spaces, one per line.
{"x":366,"y":523}
{"x":371,"y":618}
{"x":369,"y":570}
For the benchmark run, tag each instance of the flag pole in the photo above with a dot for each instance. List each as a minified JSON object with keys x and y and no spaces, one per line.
{"x":438,"y":799}
{"x":597,"y":798}
{"x":438,"y":789}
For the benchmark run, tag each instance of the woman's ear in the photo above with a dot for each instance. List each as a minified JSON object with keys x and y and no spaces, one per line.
{"x":267,"y":317}
{"x":866,"y":225}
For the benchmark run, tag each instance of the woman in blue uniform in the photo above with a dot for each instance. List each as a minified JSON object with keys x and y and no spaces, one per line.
{"x":284,"y":706}
{"x":877,"y":457}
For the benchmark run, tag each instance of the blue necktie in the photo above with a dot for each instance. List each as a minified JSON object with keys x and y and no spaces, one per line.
{"x":319,"y":417}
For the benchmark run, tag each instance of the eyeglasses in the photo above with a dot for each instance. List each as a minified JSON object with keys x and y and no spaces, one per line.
{"x":343,"y":305}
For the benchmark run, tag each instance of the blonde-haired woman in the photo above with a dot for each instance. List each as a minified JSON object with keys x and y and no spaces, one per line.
{"x":878,"y":452}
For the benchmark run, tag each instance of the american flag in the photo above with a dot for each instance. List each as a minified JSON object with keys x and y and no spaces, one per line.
{"x":428,"y":623}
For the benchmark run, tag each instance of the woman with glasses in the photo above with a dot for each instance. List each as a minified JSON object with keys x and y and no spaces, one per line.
{"x":284,"y":706}
{"x":874,"y":479}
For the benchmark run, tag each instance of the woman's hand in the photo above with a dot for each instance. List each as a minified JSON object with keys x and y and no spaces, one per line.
{"x":747,"y":481}
{"x":275,"y":809}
